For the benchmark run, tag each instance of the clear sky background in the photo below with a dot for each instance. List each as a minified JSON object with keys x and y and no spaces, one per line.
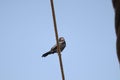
{"x":26,"y":32}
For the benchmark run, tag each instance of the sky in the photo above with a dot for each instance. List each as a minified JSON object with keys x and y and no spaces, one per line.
{"x":26,"y":32}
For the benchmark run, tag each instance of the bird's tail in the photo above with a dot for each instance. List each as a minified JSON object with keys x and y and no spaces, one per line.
{"x":46,"y":54}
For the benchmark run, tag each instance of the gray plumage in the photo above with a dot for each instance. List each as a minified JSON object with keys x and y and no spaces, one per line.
{"x":53,"y":50}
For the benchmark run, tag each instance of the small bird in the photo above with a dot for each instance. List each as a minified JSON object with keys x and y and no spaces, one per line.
{"x":53,"y":50}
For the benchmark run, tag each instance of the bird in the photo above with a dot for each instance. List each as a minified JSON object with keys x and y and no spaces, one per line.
{"x":53,"y":50}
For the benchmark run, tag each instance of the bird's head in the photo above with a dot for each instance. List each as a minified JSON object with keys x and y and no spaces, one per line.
{"x":61,"y":39}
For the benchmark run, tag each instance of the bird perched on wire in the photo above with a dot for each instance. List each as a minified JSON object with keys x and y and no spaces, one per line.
{"x":53,"y":50}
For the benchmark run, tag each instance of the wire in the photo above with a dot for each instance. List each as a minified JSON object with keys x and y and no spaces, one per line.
{"x":56,"y":35}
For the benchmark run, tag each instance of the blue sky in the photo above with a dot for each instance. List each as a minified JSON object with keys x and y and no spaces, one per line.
{"x":26,"y":32}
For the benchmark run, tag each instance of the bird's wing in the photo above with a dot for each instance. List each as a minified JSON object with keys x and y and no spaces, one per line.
{"x":54,"y":48}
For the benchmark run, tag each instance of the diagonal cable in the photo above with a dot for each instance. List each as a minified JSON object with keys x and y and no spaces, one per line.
{"x":56,"y":35}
